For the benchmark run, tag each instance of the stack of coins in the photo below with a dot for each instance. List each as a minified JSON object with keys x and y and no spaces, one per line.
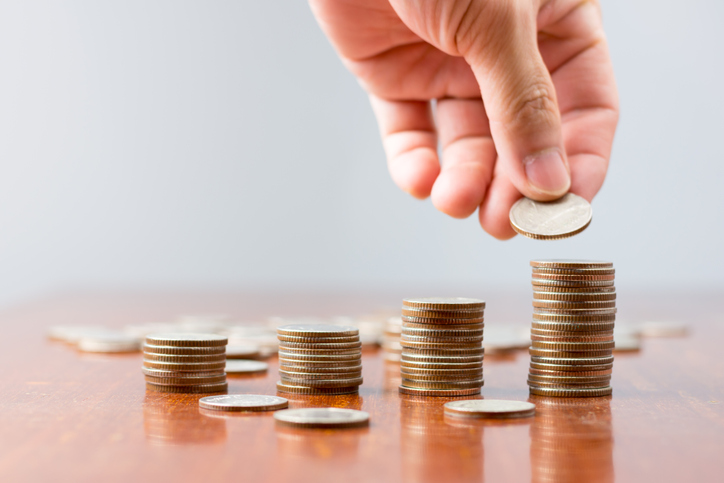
{"x":185,"y":363}
{"x":391,"y":339}
{"x":442,"y":353}
{"x":574,"y":310}
{"x":319,"y":359}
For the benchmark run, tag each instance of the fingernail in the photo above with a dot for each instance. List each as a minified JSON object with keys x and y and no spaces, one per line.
{"x":547,"y":172}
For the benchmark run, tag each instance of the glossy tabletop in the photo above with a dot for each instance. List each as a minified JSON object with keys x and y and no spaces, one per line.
{"x":69,"y":416}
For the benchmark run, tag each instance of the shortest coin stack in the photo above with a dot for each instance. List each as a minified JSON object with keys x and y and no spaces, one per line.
{"x":574,"y":309}
{"x":319,"y":359}
{"x":185,"y":363}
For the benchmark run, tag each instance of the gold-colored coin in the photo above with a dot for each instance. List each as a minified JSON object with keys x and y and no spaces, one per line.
{"x":558,"y":373}
{"x":319,"y":375}
{"x":200,"y":389}
{"x":186,"y":381}
{"x":190,"y":339}
{"x":441,"y":385}
{"x":438,"y":345}
{"x":551,"y":354}
{"x":565,"y":333}
{"x":320,"y":356}
{"x":574,"y":296}
{"x":569,"y":385}
{"x":540,"y":284}
{"x":537,"y":311}
{"x":449,"y":352}
{"x":162,"y":373}
{"x":448,"y":376}
{"x":324,"y":369}
{"x":431,"y":321}
{"x":412,"y":391}
{"x":445,"y":366}
{"x":442,"y":314}
{"x":305,"y":381}
{"x":439,"y":339}
{"x":565,"y":305}
{"x":575,"y":289}
{"x":444,"y":303}
{"x":319,"y":346}
{"x":411,"y":357}
{"x":578,"y":361}
{"x":571,"y":338}
{"x":317,"y":340}
{"x":183,"y":351}
{"x":573,"y":380}
{"x":185,"y":367}
{"x":179,"y":359}
{"x":307,"y":390}
{"x":547,"y":317}
{"x":573,"y":346}
{"x":547,"y":391}
{"x":445,"y":329}
{"x":569,"y":327}
{"x":565,"y":277}
{"x":570,"y":367}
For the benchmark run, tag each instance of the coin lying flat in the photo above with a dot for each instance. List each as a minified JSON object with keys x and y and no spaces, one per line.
{"x":242,"y":351}
{"x":317,"y":330}
{"x":323,"y":418}
{"x":551,"y":220}
{"x":241,"y":366}
{"x":190,"y":339}
{"x":243,"y":402}
{"x":664,"y":329}
{"x":489,"y":408}
{"x":444,"y":303}
{"x":109,"y":343}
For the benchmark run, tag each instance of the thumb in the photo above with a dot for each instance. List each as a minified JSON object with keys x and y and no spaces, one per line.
{"x":501,"y":47}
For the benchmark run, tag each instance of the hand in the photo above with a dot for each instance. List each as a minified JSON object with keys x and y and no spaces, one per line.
{"x":526,"y":101}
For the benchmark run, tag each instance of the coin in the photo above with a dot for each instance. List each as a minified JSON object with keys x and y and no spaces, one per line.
{"x":449,"y":329}
{"x":627,"y":344}
{"x":575,"y":264}
{"x":445,"y":352}
{"x":311,"y":376}
{"x":308,"y":390}
{"x":243,"y":402}
{"x":441,"y":321}
{"x":570,"y":379}
{"x":578,"y":361}
{"x":544,"y":353}
{"x":548,"y":391}
{"x":441,"y":366}
{"x":441,"y":314}
{"x":551,"y":220}
{"x":489,"y":409}
{"x":575,"y":270}
{"x":185,"y":367}
{"x":452,"y":377}
{"x":186,"y":381}
{"x":241,"y":366}
{"x":439,"y":338}
{"x":322,"y":356}
{"x":109,"y":343}
{"x":572,"y":326}
{"x":444,"y":303}
{"x":188,"y":339}
{"x":574,"y":346}
{"x":664,"y":329}
{"x":317,"y":383}
{"x":242,"y":351}
{"x":574,"y":296}
{"x":560,"y":373}
{"x":318,"y":340}
{"x":412,"y":391}
{"x":323,"y":418}
{"x":571,"y":367}
{"x":578,"y":305}
{"x":188,"y":351}
{"x":197,"y":389}
{"x":319,"y":346}
{"x":317,"y":330}
{"x":183,"y":359}
{"x":407,"y":382}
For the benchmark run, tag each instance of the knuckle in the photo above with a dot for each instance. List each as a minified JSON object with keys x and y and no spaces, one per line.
{"x":535,"y":104}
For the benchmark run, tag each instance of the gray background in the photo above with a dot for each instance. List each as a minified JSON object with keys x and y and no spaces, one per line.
{"x":222,"y":145}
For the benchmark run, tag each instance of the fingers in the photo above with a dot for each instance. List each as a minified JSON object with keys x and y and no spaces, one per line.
{"x":493,"y":213}
{"x":499,"y":41}
{"x":468,"y":156}
{"x":410,"y":142}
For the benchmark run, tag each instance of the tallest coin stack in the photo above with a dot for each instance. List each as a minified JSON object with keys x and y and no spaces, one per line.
{"x":574,"y":310}
{"x":442,"y":353}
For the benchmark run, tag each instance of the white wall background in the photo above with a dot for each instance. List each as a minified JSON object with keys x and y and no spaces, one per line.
{"x":221,"y":144}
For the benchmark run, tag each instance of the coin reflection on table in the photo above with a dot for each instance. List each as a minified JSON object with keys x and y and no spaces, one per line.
{"x":174,"y":419}
{"x":431,"y":447}
{"x":572,"y":440}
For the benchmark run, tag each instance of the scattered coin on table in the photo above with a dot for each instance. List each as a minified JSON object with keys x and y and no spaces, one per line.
{"x":243,"y":402}
{"x":551,"y":220}
{"x":109,"y":343}
{"x":489,"y":408}
{"x":664,"y":329}
{"x":322,"y":418}
{"x":241,"y":366}
{"x":242,"y":351}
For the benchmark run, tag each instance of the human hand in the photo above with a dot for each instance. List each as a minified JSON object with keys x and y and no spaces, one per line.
{"x":526,"y":102}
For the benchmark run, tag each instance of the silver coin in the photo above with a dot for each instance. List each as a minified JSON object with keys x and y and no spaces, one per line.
{"x":242,"y":351}
{"x":243,"y":402}
{"x":186,"y":339}
{"x":550,"y":220}
{"x":241,"y":366}
{"x":489,"y":408}
{"x":72,"y":334}
{"x":319,"y":330}
{"x":323,"y":418}
{"x":109,"y":343}
{"x":627,"y":344}
{"x":664,"y":329}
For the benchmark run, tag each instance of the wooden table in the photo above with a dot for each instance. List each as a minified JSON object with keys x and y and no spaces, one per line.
{"x":68,"y":416}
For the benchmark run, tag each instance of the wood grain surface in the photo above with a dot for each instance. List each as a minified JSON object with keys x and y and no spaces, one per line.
{"x":68,"y":416}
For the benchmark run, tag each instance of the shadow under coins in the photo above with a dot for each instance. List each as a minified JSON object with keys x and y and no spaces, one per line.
{"x":572,"y":440}
{"x":174,"y":419}
{"x":433,"y":450}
